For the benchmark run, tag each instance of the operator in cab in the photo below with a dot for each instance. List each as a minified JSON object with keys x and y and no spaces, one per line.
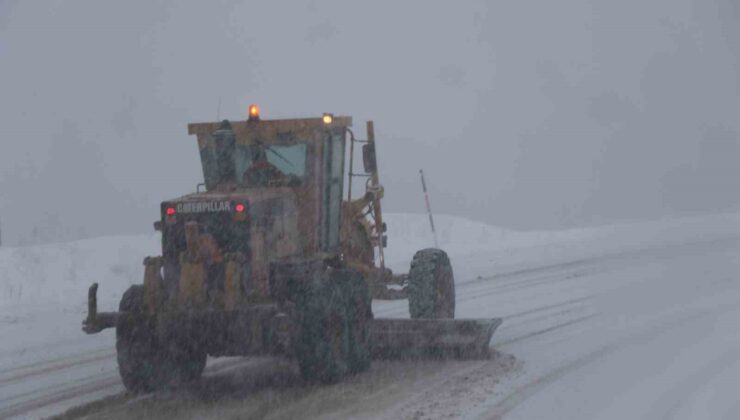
{"x":262,"y":173}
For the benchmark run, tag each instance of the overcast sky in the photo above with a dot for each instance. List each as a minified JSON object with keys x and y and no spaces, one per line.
{"x":534,"y":114}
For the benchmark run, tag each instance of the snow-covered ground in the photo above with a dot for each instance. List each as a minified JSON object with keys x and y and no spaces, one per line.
{"x":636,"y":320}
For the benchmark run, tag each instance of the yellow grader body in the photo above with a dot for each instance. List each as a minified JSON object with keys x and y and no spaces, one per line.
{"x":276,"y":257}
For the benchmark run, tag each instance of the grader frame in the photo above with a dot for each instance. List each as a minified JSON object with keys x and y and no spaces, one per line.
{"x":287,"y":267}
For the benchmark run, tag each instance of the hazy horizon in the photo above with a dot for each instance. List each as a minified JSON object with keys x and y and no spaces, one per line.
{"x":536,"y":115}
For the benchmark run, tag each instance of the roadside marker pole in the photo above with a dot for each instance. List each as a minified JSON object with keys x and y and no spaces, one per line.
{"x":429,"y":208}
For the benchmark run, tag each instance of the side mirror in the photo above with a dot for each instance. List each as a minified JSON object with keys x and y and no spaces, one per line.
{"x":368,"y":158}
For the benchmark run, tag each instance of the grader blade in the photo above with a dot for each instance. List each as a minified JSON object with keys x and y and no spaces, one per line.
{"x":416,"y":338}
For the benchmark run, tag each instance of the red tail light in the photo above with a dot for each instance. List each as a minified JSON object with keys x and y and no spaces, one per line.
{"x":240,"y":208}
{"x":170,"y":211}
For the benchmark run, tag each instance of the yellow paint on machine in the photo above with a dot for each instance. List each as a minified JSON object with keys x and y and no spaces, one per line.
{"x":192,"y":278}
{"x":259,"y":274}
{"x":232,"y":287}
{"x":153,"y":283}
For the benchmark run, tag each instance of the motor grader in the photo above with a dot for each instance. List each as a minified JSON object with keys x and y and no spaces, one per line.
{"x":273,"y":255}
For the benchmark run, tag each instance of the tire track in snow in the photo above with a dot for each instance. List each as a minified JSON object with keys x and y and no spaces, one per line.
{"x":566,"y":266}
{"x":514,"y":399}
{"x":531,"y":388}
{"x":566,"y":270}
{"x":52,"y":361}
{"x":53,"y":366}
{"x":526,"y":284}
{"x":545,"y":330}
{"x":58,"y":393}
{"x":548,"y":315}
{"x":665,"y":250}
{"x":681,"y":393}
{"x":548,"y":307}
{"x":534,"y":386}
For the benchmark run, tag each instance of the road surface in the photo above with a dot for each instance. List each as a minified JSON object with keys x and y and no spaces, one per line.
{"x":649,"y":332}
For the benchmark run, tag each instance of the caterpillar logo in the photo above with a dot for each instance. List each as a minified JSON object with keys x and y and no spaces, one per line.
{"x":204,"y":207}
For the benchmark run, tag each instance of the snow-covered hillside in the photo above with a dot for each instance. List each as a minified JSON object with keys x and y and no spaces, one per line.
{"x":59,"y":274}
{"x":628,"y":321}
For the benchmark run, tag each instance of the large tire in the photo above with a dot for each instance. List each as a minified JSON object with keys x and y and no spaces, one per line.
{"x":431,"y":287}
{"x":145,"y":362}
{"x":360,"y":315}
{"x":322,"y":344}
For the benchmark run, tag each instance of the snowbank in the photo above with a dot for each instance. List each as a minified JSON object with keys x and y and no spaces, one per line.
{"x":478,"y":249}
{"x":57,"y":275}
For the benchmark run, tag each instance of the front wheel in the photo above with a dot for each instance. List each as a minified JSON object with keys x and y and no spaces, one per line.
{"x":431,"y":285}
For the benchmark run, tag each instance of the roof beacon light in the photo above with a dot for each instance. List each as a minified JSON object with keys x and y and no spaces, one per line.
{"x":254,"y":112}
{"x":327,"y":118}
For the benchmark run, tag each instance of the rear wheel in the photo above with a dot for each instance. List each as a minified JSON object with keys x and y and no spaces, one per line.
{"x":147,"y":363}
{"x":322,"y":344}
{"x":431,"y":287}
{"x":359,"y":314}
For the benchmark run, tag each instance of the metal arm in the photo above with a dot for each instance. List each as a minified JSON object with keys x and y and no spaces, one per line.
{"x":372,"y":185}
{"x":375,"y":183}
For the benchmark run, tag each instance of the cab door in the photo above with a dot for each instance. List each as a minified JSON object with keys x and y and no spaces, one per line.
{"x":332,"y":188}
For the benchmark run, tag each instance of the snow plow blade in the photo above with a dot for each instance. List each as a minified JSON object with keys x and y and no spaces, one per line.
{"x":444,"y":338}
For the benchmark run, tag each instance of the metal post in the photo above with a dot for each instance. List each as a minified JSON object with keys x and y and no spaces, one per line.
{"x":429,"y":207}
{"x":351,"y":162}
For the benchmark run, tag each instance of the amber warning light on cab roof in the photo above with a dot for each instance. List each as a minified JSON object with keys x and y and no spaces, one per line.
{"x":254,"y":112}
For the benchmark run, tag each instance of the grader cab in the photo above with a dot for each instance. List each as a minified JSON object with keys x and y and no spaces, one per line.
{"x":276,"y":256}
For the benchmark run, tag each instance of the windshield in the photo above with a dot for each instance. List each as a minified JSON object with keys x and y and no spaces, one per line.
{"x":256,"y":165}
{"x":274,"y":165}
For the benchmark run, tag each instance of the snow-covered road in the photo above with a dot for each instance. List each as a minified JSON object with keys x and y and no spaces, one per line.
{"x":637,"y":321}
{"x":656,"y":337}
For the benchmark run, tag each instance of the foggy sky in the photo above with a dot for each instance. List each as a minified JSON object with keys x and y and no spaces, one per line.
{"x":532,"y":114}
